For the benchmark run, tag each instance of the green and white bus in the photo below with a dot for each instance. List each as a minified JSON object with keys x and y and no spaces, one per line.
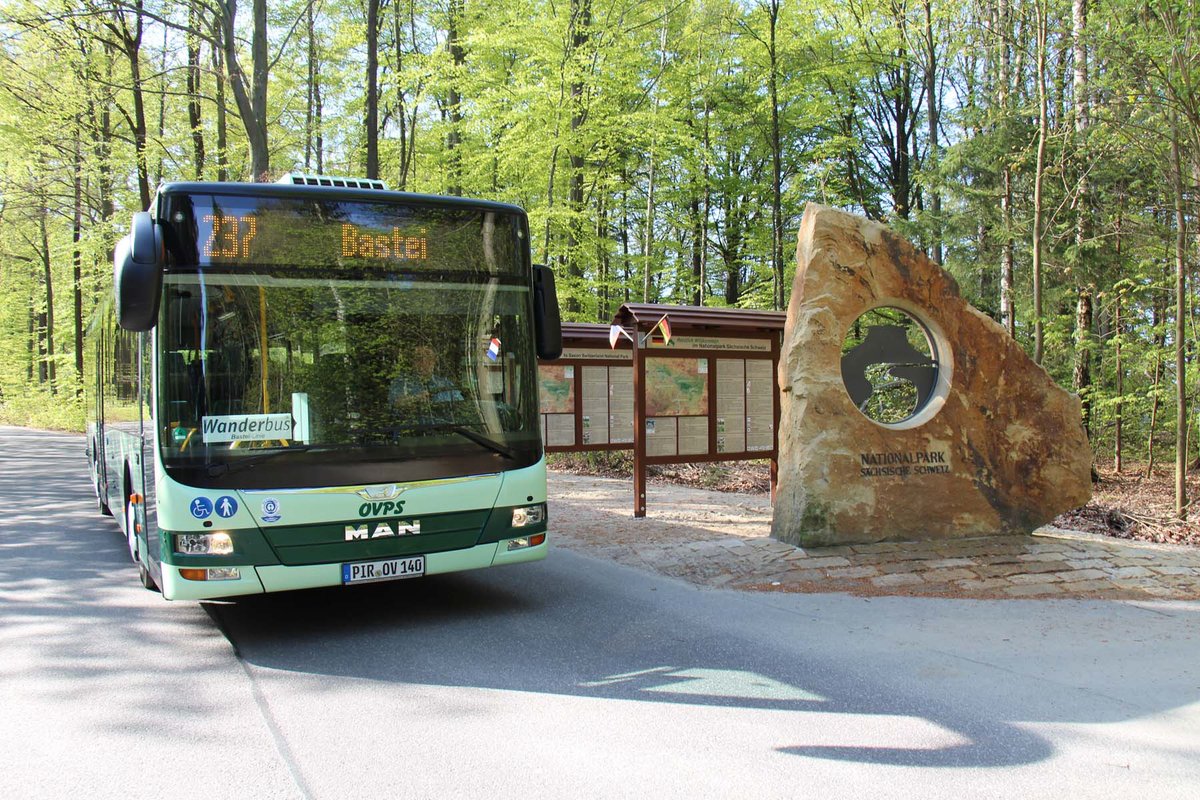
{"x":320,"y":382}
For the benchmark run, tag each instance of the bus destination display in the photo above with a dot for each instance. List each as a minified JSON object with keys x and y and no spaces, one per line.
{"x":233,"y":231}
{"x":229,"y":237}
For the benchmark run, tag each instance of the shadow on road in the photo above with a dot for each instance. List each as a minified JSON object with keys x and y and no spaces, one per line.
{"x":582,"y":627}
{"x":541,"y":633}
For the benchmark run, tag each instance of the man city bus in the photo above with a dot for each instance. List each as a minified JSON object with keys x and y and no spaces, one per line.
{"x":320,"y":382}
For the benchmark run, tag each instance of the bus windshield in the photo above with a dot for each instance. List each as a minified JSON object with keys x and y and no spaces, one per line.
{"x":346,"y":370}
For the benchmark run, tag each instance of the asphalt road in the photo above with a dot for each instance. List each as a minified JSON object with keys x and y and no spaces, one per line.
{"x":573,"y":677}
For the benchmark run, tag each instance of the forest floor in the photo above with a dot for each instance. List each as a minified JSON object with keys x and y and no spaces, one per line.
{"x":1125,"y":505}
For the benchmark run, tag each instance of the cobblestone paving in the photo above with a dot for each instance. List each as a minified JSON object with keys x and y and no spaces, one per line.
{"x":721,"y":539}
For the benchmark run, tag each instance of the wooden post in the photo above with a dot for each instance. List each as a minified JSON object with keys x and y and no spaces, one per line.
{"x":712,"y":405}
{"x":776,"y":410}
{"x":639,"y":425}
{"x":577,"y":382}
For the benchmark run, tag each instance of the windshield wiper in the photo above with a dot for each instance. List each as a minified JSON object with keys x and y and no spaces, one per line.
{"x":477,"y":438}
{"x":244,"y":463}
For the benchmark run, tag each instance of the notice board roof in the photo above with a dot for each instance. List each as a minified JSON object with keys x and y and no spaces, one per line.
{"x":587,"y":334}
{"x":696,"y":318}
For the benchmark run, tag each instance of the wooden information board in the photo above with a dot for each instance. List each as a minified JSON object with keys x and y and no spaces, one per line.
{"x":702,"y":387}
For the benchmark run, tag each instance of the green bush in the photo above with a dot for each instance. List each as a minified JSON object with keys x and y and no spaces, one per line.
{"x":37,"y":409}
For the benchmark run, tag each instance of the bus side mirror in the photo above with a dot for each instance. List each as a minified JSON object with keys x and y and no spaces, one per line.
{"x":546,"y":321}
{"x":137,"y":274}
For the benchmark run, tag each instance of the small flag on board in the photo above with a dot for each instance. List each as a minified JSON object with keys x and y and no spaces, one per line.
{"x":664,"y":325}
{"x":615,"y":332}
{"x":493,"y":351}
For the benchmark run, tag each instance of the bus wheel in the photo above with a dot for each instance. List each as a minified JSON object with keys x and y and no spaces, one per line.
{"x":101,"y":500}
{"x":102,"y":506}
{"x":145,"y":577}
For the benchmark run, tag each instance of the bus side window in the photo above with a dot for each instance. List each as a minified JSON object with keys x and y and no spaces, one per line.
{"x":147,"y":369}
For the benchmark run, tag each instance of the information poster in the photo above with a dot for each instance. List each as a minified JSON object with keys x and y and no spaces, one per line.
{"x":760,"y":406}
{"x":556,"y":388}
{"x":595,"y":405}
{"x":662,"y":436}
{"x":731,"y":405}
{"x":560,"y":430}
{"x":676,"y":387}
{"x":693,"y":436}
{"x":620,"y":405}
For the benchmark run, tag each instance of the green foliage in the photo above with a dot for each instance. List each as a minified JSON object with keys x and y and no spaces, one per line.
{"x":30,"y":409}
{"x":641,"y":138}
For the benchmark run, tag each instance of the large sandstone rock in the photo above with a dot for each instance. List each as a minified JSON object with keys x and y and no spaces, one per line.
{"x":998,"y":449}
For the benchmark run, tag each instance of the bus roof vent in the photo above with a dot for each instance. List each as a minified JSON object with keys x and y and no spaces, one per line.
{"x":300,"y":179}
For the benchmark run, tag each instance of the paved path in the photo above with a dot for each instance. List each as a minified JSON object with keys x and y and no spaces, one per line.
{"x":570,"y":677}
{"x":723,"y":539}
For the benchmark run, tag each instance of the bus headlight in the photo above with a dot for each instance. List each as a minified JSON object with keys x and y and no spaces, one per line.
{"x":203,"y":544}
{"x":528,"y":515}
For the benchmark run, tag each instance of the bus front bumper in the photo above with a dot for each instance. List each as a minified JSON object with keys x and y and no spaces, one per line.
{"x":278,"y":578}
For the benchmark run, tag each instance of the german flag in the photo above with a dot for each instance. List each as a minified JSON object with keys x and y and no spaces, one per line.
{"x":664,"y":325}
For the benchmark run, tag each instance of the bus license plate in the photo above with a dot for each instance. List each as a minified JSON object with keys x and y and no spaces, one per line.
{"x":388,"y":569}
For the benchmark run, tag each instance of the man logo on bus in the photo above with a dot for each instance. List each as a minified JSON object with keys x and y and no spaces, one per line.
{"x":404,"y":527}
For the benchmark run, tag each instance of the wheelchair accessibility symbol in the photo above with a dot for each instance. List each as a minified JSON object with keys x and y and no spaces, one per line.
{"x":201,"y":508}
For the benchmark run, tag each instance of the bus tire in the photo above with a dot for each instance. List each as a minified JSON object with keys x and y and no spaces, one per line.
{"x":102,"y":506}
{"x":146,"y":578}
{"x":101,"y":500}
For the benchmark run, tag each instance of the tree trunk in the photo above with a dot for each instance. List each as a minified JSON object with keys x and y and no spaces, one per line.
{"x":260,"y":152}
{"x":1083,"y":354}
{"x":454,"y":99}
{"x":251,"y":99}
{"x":1008,"y":313}
{"x":932,"y":118}
{"x":310,"y":86}
{"x":1118,"y":342}
{"x":1039,"y":177}
{"x":1181,"y":423}
{"x":195,"y":122}
{"x":1083,"y":315}
{"x":407,"y":120}
{"x":1004,"y":81}
{"x":580,"y":30}
{"x":162,"y":108}
{"x":626,"y":259}
{"x":1157,"y":315}
{"x":648,"y":240}
{"x":34,"y":337}
{"x":130,"y":40}
{"x":776,"y":160}
{"x":77,"y":254}
{"x":987,"y":275}
{"x":707,"y":211}
{"x":732,"y":252}
{"x":48,"y":317}
{"x":550,"y":200}
{"x":604,"y":267}
{"x":371,"y":124}
{"x":219,"y":100}
{"x":697,"y":251}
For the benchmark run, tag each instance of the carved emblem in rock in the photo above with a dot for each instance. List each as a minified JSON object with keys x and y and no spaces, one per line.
{"x":907,"y":413}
